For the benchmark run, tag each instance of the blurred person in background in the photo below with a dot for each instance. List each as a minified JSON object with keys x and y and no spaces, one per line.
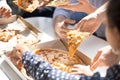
{"x":73,"y":13}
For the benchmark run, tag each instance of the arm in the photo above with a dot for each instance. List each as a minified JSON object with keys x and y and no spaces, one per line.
{"x":39,"y":69}
{"x":61,"y":21}
{"x":92,"y":22}
{"x":81,"y":6}
{"x":105,"y":57}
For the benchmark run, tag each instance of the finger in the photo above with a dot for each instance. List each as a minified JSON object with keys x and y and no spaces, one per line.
{"x":2,"y":10}
{"x":76,"y":66}
{"x":69,"y":21}
{"x":80,"y":25}
{"x":74,"y":69}
{"x":77,"y":72}
{"x":7,"y":14}
{"x":97,"y":56}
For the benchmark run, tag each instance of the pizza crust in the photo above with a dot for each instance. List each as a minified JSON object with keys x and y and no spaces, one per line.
{"x":74,"y":39}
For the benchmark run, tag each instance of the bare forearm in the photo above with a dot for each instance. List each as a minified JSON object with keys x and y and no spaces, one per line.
{"x":101,"y":12}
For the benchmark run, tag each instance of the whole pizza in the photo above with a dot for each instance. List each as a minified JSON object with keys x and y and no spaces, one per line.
{"x":58,"y":58}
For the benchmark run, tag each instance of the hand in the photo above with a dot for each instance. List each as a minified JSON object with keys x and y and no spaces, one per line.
{"x":16,"y":55}
{"x":104,"y":57}
{"x":81,"y":6}
{"x":17,"y":52}
{"x":81,"y":70}
{"x":5,"y":11}
{"x":61,"y":27}
{"x":89,"y":23}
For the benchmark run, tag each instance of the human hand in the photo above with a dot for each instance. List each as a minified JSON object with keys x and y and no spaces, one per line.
{"x":81,"y":70}
{"x":89,"y":23}
{"x":61,"y":28}
{"x":81,"y":6}
{"x":15,"y":55}
{"x":17,"y":51}
{"x":5,"y":11}
{"x":104,"y":57}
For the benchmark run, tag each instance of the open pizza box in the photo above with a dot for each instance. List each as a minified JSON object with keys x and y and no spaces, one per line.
{"x":27,"y":33}
{"x":8,"y":67}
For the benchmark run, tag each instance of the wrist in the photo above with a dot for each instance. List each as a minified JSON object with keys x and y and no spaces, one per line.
{"x":116,"y":52}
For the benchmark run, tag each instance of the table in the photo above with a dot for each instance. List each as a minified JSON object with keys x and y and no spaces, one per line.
{"x":89,"y":46}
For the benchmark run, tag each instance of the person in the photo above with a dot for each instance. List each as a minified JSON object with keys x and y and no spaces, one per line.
{"x":39,"y":69}
{"x":77,"y":10}
{"x":90,"y":24}
{"x":43,"y":11}
{"x":5,"y":10}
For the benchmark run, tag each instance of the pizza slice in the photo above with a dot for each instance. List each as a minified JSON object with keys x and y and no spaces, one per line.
{"x":7,"y":34}
{"x":27,"y":5}
{"x":31,"y":5}
{"x":74,"y":38}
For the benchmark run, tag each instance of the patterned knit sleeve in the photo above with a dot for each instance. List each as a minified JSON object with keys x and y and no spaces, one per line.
{"x":39,"y":69}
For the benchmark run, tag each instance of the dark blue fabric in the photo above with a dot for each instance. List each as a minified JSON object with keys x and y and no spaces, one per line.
{"x":39,"y":69}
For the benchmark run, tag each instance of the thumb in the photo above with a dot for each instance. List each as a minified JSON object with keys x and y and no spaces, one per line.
{"x":69,"y":21}
{"x":97,"y":56}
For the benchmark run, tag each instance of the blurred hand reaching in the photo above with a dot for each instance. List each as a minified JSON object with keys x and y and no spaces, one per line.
{"x":5,"y":11}
{"x":61,"y":27}
{"x":104,"y":57}
{"x":89,"y":23}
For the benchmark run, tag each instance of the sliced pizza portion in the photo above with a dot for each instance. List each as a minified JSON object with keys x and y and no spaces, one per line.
{"x":74,"y":38}
{"x":7,"y":34}
{"x":27,"y":5}
{"x":31,"y":5}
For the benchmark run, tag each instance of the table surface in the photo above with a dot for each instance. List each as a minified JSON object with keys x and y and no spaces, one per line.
{"x":89,"y":46}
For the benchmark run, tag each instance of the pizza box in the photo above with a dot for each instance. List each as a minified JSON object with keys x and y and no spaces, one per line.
{"x":61,"y":45}
{"x":28,"y":31}
{"x":9,"y":71}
